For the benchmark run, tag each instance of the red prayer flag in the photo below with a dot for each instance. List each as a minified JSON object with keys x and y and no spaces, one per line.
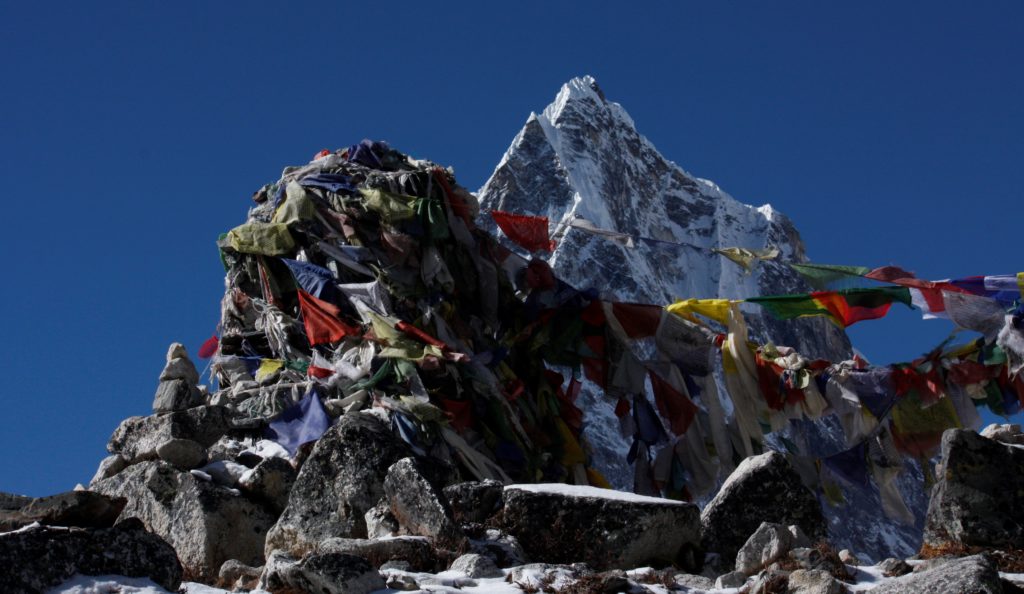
{"x":420,"y":335}
{"x":673,"y":405}
{"x":528,"y":231}
{"x":319,"y":372}
{"x":209,"y":348}
{"x":321,"y":320}
{"x":639,"y":320}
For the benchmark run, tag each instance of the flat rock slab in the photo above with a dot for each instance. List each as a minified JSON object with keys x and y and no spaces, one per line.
{"x":205,"y":523}
{"x":320,"y":573}
{"x":414,"y":550}
{"x":763,"y":488}
{"x":976,"y":501}
{"x":84,"y":509}
{"x":974,"y":575}
{"x":41,"y":557}
{"x":605,"y":529}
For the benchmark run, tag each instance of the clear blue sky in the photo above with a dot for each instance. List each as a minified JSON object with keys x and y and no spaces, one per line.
{"x":132,"y":133}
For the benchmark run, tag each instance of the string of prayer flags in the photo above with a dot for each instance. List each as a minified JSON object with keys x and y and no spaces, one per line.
{"x":715,"y":309}
{"x":823,"y":276}
{"x":620,"y":238}
{"x":844,"y":308}
{"x":529,"y":232}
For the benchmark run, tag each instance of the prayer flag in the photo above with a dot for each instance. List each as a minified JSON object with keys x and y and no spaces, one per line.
{"x":315,"y":280}
{"x":844,"y":308}
{"x":301,"y":423}
{"x":209,"y":348}
{"x":321,"y":320}
{"x":530,"y":232}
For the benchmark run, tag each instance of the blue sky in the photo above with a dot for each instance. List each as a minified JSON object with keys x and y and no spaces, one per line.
{"x":132,"y":133}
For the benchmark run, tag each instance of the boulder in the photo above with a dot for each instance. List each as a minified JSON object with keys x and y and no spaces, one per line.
{"x":763,"y":488}
{"x":813,"y":581}
{"x":769,"y":543}
{"x":270,"y":482}
{"x":976,"y":500}
{"x":322,"y":573}
{"x":476,"y":566}
{"x":380,"y":522}
{"x":176,"y":394}
{"x":180,"y":368}
{"x":235,"y":575}
{"x":534,"y":577}
{"x":85,"y":509}
{"x":1008,"y":433}
{"x":137,"y":438}
{"x":500,"y":547}
{"x":183,"y":454}
{"x":109,"y":466}
{"x":37,"y":558}
{"x":205,"y":523}
{"x":603,"y":528}
{"x":693,"y":582}
{"x":733,"y":579}
{"x":769,"y":581}
{"x":420,"y":508}
{"x":847,"y":557}
{"x":474,"y":501}
{"x":340,"y":481}
{"x":976,"y":574}
{"x":414,"y":550}
{"x":893,"y":567}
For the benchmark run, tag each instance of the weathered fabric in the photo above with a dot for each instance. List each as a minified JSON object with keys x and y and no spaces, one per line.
{"x":529,"y":232}
{"x":267,"y":239}
{"x":321,"y":321}
{"x":746,"y":257}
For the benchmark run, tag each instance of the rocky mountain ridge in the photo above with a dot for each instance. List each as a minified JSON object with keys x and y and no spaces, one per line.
{"x":582,"y":157}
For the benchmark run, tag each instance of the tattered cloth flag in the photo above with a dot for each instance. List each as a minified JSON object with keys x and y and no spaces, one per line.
{"x":620,"y":238}
{"x":300,"y":423}
{"x":844,"y":308}
{"x":209,"y":348}
{"x":315,"y":280}
{"x":822,"y":276}
{"x":321,"y":320}
{"x":745,"y":257}
{"x":528,"y":231}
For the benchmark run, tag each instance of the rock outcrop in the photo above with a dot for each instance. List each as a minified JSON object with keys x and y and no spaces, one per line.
{"x":322,"y":573}
{"x":974,"y":575}
{"x":763,"y":488}
{"x":342,"y":479}
{"x":206,"y":524}
{"x":420,"y":508}
{"x":605,"y":529}
{"x":977,"y":499}
{"x":37,"y":558}
{"x":84,"y":509}
{"x":137,"y":438}
{"x":769,"y":543}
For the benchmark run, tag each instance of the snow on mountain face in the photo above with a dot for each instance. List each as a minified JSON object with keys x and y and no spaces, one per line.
{"x":583,"y":157}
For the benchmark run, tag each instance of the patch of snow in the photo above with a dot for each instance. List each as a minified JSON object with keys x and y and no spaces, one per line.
{"x":588,"y":491}
{"x":111,"y":584}
{"x":27,"y":528}
{"x":867,"y":578}
{"x":265,"y":448}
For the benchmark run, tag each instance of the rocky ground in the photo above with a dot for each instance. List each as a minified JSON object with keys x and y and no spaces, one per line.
{"x":188,"y":501}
